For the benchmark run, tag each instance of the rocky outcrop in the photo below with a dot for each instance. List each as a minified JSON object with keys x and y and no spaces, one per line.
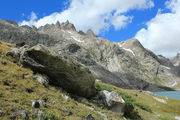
{"x":112,"y":101}
{"x":61,"y":70}
{"x":176,"y":60}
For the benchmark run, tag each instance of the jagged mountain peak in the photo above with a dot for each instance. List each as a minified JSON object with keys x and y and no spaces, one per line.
{"x":176,"y":60}
{"x":90,"y":33}
{"x":131,"y":43}
{"x":58,"y":26}
{"x":67,"y":25}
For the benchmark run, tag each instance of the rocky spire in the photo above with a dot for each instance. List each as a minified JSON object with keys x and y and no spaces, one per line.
{"x":90,"y":33}
{"x":58,"y":24}
{"x":68,"y":26}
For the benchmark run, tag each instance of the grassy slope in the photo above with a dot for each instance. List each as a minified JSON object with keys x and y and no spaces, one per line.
{"x":14,"y":96}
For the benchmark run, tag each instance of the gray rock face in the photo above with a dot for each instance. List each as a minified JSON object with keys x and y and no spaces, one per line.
{"x":176,"y":60}
{"x":11,"y":32}
{"x":125,"y":64}
{"x":62,"y":70}
{"x":112,"y":100}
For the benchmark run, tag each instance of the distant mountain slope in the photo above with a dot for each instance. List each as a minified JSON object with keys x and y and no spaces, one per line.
{"x":126,"y":64}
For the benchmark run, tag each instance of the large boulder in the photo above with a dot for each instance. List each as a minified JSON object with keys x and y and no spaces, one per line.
{"x":63,"y":71}
{"x":112,"y":100}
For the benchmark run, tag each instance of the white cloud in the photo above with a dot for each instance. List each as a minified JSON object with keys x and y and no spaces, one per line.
{"x":32,"y":20}
{"x":162,"y":34}
{"x":97,"y":15}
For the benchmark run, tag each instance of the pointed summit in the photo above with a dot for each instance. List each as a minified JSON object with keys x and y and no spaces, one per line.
{"x":176,"y":60}
{"x":68,"y":26}
{"x":58,"y":24}
{"x":90,"y":33}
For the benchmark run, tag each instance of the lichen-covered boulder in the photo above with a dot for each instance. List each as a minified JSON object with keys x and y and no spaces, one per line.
{"x":62,"y":70}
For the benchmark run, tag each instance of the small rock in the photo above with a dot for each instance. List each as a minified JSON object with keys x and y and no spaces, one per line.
{"x":1,"y":113}
{"x":42,"y":79}
{"x":89,"y":117}
{"x":21,"y":44}
{"x":68,"y":113}
{"x":25,"y":76}
{"x":65,"y":96}
{"x":24,"y":115}
{"x":38,"y":103}
{"x":7,"y":83}
{"x":29,"y":90}
{"x":4,"y":62}
{"x":40,"y":115}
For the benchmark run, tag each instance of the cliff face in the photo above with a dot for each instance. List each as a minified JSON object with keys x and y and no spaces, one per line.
{"x":126,"y":64}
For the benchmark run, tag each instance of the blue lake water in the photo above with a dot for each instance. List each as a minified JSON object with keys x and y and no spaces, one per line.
{"x":169,"y":94}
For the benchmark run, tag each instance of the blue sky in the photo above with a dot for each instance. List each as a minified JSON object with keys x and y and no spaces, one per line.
{"x":116,"y":20}
{"x":21,"y":9}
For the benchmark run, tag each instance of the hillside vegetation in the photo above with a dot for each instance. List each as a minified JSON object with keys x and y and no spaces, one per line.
{"x":18,"y":89}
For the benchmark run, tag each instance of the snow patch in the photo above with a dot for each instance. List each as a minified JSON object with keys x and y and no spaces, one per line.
{"x":74,"y":37}
{"x":78,"y":40}
{"x":175,"y":83}
{"x":121,"y":44}
{"x":129,"y":50}
{"x":166,"y":67}
{"x":159,"y":100}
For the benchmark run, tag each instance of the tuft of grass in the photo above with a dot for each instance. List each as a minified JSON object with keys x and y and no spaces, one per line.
{"x":51,"y":116}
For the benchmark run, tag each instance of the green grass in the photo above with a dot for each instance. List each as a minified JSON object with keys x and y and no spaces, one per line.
{"x":14,"y":97}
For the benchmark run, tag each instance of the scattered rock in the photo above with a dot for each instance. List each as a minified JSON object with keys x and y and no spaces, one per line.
{"x":40,"y":115}
{"x":29,"y":90}
{"x":65,"y":96}
{"x":38,"y":103}
{"x":68,"y":113}
{"x":89,"y":117}
{"x":23,"y":115}
{"x":2,"y":113}
{"x":112,"y":100}
{"x":25,"y":76}
{"x":21,"y":44}
{"x":3,"y":62}
{"x":7,"y":83}
{"x":42,"y":79}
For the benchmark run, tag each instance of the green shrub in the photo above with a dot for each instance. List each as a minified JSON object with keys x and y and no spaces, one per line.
{"x":100,"y":87}
{"x":143,"y":107}
{"x":131,"y":113}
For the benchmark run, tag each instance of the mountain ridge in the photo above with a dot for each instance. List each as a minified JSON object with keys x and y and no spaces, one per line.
{"x":122,"y":64}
